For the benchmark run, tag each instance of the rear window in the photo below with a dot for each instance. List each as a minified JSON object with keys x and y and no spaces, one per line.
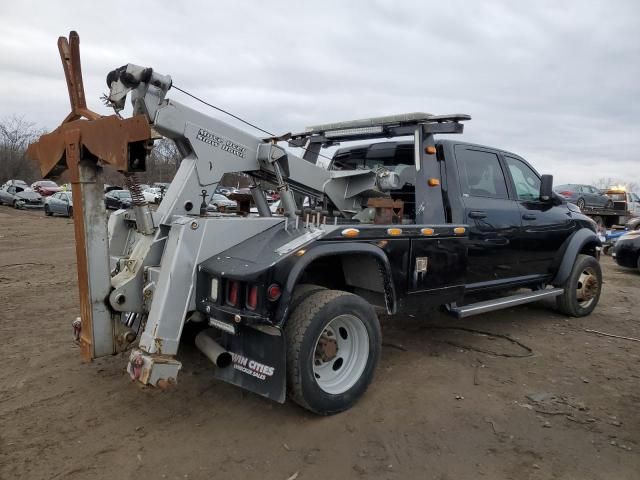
{"x":617,"y":197}
{"x":372,"y":156}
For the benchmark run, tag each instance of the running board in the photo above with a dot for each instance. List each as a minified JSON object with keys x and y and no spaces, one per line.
{"x":504,"y":302}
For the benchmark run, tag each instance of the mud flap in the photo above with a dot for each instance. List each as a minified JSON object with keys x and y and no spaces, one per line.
{"x":258,"y":361}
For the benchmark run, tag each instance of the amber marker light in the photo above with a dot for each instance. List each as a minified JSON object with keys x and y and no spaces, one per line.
{"x":459,"y":230}
{"x":350,"y":232}
{"x":300,"y":252}
{"x":433,"y":182}
{"x":394,"y":232}
{"x":430,"y":150}
{"x":427,"y":231}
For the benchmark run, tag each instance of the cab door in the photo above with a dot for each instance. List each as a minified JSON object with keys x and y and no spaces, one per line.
{"x":493,"y":218}
{"x":545,"y":224}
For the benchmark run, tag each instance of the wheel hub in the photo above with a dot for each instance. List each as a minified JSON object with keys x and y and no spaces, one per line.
{"x":588,"y":287}
{"x":327,"y":348}
{"x":340,"y":354}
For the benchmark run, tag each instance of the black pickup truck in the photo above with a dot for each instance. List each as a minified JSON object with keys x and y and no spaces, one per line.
{"x":458,"y":227}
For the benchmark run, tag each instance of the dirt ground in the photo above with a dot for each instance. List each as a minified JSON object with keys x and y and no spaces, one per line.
{"x":438,"y":408}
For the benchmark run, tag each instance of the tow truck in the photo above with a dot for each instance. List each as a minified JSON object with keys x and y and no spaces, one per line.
{"x":288,"y":304}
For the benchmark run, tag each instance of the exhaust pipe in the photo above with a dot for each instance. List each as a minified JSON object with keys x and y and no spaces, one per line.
{"x":212,"y":350}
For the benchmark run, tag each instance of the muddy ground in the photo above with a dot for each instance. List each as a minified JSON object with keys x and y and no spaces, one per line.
{"x":438,"y":408}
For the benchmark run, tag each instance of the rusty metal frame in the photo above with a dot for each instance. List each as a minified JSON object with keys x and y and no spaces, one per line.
{"x":82,"y":144}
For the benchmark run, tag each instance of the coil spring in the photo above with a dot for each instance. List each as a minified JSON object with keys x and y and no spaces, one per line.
{"x":137,"y":197}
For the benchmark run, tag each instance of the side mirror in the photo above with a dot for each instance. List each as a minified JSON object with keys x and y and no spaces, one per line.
{"x":546,"y":187}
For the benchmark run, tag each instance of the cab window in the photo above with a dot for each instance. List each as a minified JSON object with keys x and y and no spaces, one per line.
{"x":525,"y":179}
{"x":480,"y":173}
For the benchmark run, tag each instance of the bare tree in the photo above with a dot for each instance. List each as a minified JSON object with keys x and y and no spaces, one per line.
{"x":606,"y":182}
{"x":15,"y":136}
{"x":163,"y":162}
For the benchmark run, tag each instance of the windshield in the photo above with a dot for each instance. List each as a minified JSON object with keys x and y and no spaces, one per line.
{"x":219,"y":197}
{"x":124,"y":194}
{"x":47,"y":183}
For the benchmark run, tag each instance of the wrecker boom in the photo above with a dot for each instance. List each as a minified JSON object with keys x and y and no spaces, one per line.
{"x":139,"y":273}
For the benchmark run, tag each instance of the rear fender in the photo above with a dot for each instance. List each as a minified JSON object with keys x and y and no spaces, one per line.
{"x":582,"y":240}
{"x":322,"y":250}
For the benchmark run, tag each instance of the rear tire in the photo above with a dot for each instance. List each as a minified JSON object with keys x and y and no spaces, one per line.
{"x":303,"y":291}
{"x":580,"y":203}
{"x":70,"y":212}
{"x":16,"y":205}
{"x":47,"y":212}
{"x":333,"y":348}
{"x":582,"y":289}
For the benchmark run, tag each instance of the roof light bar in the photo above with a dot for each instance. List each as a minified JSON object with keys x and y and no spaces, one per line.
{"x":348,"y":132}
{"x":375,"y":127}
{"x":415,"y":117}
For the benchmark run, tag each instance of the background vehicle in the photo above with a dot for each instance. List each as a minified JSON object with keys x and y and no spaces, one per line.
{"x":220,"y":203}
{"x":17,"y":183}
{"x":60,"y":203}
{"x":152,"y":194}
{"x":626,"y":250}
{"x":108,"y":188}
{"x":286,"y":304}
{"x":19,"y":196}
{"x":624,"y":201}
{"x":116,"y":199}
{"x":222,"y":190}
{"x":584,"y":196}
{"x":45,"y":187}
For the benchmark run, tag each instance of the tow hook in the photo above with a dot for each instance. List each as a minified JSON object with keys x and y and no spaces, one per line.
{"x":77,"y":329}
{"x":137,"y":362}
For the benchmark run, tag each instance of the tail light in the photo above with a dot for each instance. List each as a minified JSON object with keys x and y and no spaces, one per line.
{"x":233,"y":291}
{"x":252,"y":297}
{"x":565,"y":194}
{"x":273,"y":292}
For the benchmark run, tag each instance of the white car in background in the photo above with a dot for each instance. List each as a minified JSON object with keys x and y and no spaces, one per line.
{"x":152,"y":194}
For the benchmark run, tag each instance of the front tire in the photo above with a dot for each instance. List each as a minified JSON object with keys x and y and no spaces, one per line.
{"x":582,"y":289}
{"x":580,"y":203}
{"x":70,"y":212}
{"x":333,"y":348}
{"x":47,"y":212}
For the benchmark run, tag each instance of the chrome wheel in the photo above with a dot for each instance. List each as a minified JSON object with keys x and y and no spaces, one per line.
{"x":587,"y":288}
{"x":341,"y":354}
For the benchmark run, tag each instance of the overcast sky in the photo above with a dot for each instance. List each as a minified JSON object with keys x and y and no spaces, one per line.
{"x":556,"y":82}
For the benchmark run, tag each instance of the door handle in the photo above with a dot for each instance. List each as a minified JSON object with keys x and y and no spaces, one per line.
{"x":529,"y":216}
{"x":477,"y":214}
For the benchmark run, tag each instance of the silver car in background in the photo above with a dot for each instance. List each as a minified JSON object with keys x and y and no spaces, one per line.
{"x":60,"y":203}
{"x":19,"y":196}
{"x":584,"y":196}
